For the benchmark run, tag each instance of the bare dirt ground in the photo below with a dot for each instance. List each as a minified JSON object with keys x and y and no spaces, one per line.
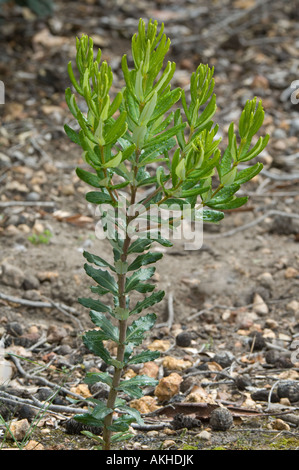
{"x":237,"y":297}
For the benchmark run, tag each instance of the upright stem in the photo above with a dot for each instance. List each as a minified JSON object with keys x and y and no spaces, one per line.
{"x":120,"y":351}
{"x":121,"y":278}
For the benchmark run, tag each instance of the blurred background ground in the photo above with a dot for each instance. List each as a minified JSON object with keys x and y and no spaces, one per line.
{"x":242,"y":281}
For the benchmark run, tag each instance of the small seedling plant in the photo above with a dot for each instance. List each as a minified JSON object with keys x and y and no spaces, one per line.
{"x":147,"y":145}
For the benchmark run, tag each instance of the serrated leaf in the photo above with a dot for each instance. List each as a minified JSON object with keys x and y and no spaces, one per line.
{"x":89,"y":420}
{"x":139,"y":245}
{"x":93,"y":341}
{"x":93,"y":304}
{"x":149,"y":301}
{"x":97,"y":260}
{"x":144,"y":260}
{"x":110,"y":331}
{"x":131,"y":386}
{"x":135,"y":332}
{"x":121,"y":424}
{"x":95,"y":377}
{"x":96,"y":417}
{"x":145,"y":356}
{"x":143,"y":274}
{"x":103,"y":278}
{"x":131,"y":412}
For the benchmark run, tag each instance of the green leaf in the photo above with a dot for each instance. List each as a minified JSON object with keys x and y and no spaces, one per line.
{"x":145,"y":356}
{"x":233,"y":204}
{"x":133,"y":282}
{"x":225,"y":194}
{"x":121,"y":424}
{"x":93,"y":341}
{"x":144,"y":260}
{"x":95,"y":377}
{"x":256,"y":150}
{"x":96,"y":305}
{"x":180,"y":170}
{"x":174,"y":164}
{"x":248,"y":173}
{"x":209,"y":216}
{"x":110,"y":331}
{"x":162,"y":241}
{"x":194,"y":191}
{"x":131,"y":386}
{"x":121,"y":436}
{"x":139,"y":245}
{"x":155,"y":150}
{"x":117,"y":130}
{"x":97,"y":197}
{"x":73,"y":135}
{"x":103,"y":278}
{"x":131,"y":412}
{"x":135,"y":332}
{"x":165,"y":103}
{"x":114,"y":162}
{"x":94,"y":437}
{"x":149,"y":301}
{"x":97,"y":260}
{"x":121,"y":313}
{"x":161,"y":138}
{"x":96,"y":417}
{"x":90,"y":178}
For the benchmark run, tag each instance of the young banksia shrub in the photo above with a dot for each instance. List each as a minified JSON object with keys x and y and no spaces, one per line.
{"x":150,"y":146}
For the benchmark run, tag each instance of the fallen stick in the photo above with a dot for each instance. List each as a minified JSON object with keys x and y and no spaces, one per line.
{"x":27,"y":203}
{"x":65,"y":309}
{"x":35,"y":303}
{"x":253,"y":223}
{"x":42,"y":380}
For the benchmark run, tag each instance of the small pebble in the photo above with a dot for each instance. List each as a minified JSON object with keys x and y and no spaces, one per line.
{"x":33,"y":196}
{"x":168,"y":443}
{"x":259,"y":305}
{"x":224,"y":359}
{"x":205,"y":435}
{"x":281,"y":425}
{"x":44,"y":393}
{"x":183,"y":339}
{"x":30,"y":282}
{"x":256,"y":341}
{"x":27,"y":412}
{"x":263,"y":395}
{"x":221,"y":419}
{"x":12,"y":276}
{"x":14,"y":328}
{"x":289,"y":389}
{"x":242,"y":382}
{"x":18,"y":429}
